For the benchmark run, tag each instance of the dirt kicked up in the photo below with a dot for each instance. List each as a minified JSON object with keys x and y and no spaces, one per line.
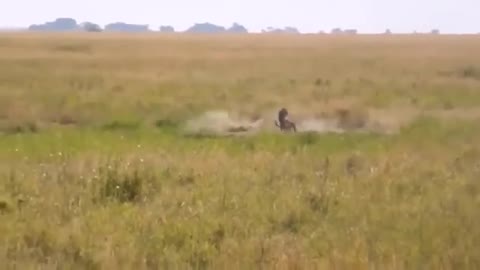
{"x":378,"y":121}
{"x":223,"y":123}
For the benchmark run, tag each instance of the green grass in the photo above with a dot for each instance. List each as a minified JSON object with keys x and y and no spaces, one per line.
{"x":96,"y":171}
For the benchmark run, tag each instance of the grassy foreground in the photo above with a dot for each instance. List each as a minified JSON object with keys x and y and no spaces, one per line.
{"x":96,"y":173}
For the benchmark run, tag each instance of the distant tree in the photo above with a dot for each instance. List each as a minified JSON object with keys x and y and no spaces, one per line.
{"x":66,"y":24}
{"x":206,"y":28}
{"x":125,"y":27}
{"x":60,"y":24}
{"x":350,"y":31}
{"x":167,"y":29}
{"x":435,"y":32}
{"x":336,"y":31}
{"x":388,"y":32}
{"x":237,"y":28}
{"x":291,"y":30}
{"x":90,"y":27}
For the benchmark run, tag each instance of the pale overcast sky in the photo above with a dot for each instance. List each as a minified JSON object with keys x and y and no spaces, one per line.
{"x":450,"y":16}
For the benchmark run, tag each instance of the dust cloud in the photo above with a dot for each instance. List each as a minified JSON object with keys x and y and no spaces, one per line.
{"x":220,"y":122}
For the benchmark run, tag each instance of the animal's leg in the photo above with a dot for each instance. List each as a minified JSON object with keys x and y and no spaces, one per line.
{"x":294,"y":127}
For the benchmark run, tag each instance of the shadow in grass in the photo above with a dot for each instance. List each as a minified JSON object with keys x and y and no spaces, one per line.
{"x":29,"y":127}
{"x":5,"y":206}
{"x":122,"y":125}
{"x":65,"y":120}
{"x":467,"y":72}
{"x":123,"y":186}
{"x":73,"y":48}
{"x":167,"y":124}
{"x":202,"y":136}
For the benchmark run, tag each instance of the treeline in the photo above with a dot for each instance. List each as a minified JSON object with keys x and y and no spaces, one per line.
{"x":69,"y":24}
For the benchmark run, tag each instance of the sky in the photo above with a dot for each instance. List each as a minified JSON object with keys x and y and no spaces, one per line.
{"x":367,"y":16}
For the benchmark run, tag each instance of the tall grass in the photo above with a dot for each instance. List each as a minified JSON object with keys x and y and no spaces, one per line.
{"x":96,"y":173}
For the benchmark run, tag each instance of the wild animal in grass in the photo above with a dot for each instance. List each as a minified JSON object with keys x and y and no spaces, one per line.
{"x":283,"y":123}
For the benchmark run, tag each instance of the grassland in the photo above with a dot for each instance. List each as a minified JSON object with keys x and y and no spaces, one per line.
{"x":97,"y":173}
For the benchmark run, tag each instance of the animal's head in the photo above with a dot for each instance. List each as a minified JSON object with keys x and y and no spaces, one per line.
{"x":282,"y":114}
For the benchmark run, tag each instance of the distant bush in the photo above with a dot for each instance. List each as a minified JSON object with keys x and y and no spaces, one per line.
{"x":470,"y":72}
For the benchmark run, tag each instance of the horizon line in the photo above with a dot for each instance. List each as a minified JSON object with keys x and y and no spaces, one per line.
{"x":156,"y":28}
{"x":320,"y":33}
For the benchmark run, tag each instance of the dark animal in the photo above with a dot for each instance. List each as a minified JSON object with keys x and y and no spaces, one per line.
{"x":283,"y":123}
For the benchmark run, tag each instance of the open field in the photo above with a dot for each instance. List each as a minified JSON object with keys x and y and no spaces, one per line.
{"x":104,"y":163}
